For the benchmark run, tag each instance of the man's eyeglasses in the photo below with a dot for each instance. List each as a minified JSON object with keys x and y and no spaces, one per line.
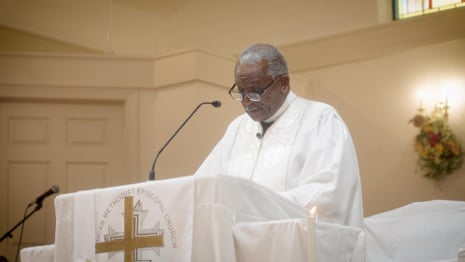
{"x":253,"y":96}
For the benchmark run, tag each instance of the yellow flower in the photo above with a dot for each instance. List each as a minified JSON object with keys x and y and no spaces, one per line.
{"x":439,"y":148}
{"x":426,"y":128}
{"x":425,"y":152}
{"x":454,"y":148}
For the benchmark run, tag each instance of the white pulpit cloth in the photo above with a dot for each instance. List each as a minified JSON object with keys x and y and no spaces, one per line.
{"x":87,"y":217}
{"x":214,"y":218}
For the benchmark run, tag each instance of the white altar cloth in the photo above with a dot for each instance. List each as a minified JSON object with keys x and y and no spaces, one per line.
{"x":44,"y":253}
{"x":421,"y":231}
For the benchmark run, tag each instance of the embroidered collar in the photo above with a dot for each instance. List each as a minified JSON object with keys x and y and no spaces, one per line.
{"x":289,"y":98}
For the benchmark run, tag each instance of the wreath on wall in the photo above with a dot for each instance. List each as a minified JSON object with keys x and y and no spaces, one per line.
{"x":439,"y":151}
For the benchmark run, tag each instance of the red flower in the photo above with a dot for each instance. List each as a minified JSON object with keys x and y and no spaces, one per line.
{"x":434,"y":138}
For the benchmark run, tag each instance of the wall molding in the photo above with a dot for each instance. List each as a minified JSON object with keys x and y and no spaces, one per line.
{"x":100,"y":71}
{"x":378,"y":41}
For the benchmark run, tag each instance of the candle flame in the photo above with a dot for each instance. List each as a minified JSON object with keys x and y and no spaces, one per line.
{"x":313,"y":211}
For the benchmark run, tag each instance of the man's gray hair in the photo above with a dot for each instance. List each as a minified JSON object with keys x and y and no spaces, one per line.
{"x":277,"y":64}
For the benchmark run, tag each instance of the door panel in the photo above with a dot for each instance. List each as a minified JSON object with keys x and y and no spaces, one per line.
{"x":75,"y":145}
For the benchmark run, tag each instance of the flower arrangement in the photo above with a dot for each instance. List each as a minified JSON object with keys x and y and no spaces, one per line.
{"x":439,"y":150}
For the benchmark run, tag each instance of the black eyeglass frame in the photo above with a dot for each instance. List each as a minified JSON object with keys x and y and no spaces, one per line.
{"x":259,"y":94}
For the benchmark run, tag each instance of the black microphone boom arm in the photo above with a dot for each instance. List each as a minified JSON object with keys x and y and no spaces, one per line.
{"x":54,"y":189}
{"x":215,"y":103}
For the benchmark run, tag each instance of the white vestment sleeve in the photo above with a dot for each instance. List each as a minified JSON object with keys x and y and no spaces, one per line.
{"x":329,"y":177}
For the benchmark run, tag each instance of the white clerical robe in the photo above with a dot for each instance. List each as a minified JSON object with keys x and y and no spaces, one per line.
{"x":307,"y":155}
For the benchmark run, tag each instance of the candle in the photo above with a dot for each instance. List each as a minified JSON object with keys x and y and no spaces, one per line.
{"x":420,"y":97}
{"x":311,"y":235}
{"x":446,"y":107}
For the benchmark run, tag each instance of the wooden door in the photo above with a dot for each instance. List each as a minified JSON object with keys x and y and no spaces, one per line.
{"x":75,"y":145}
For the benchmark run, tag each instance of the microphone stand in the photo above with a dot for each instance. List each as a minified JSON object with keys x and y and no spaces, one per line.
{"x":8,"y":234}
{"x":152,"y":171}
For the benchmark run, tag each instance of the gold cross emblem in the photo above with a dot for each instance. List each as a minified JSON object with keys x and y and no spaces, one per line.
{"x":130,"y":242}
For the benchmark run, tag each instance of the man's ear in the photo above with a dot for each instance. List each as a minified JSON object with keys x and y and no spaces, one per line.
{"x":284,"y":81}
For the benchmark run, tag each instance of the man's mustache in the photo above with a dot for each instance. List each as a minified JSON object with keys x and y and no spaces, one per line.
{"x":251,"y":108}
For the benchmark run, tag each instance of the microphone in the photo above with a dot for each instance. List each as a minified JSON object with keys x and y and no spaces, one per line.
{"x":54,"y":189}
{"x":215,"y":103}
{"x":259,"y":135}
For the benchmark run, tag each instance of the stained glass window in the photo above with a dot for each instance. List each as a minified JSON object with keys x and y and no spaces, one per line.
{"x":409,"y":8}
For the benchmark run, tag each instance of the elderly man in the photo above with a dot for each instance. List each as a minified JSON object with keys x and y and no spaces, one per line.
{"x":299,"y":148}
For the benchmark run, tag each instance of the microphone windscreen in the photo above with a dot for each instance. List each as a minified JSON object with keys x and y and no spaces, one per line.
{"x":216,"y":103}
{"x":55,"y":189}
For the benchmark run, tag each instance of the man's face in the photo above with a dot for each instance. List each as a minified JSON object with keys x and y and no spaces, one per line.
{"x":253,"y":78}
